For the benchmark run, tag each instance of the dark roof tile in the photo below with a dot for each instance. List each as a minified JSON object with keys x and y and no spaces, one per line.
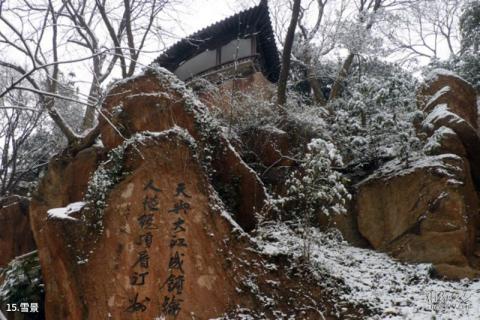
{"x":255,"y":20}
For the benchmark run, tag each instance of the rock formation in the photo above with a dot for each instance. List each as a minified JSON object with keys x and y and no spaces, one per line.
{"x":150,"y":236}
{"x":444,"y":87}
{"x":428,"y":210}
{"x":155,"y":103}
{"x":159,"y":245}
{"x":424,"y":213}
{"x":16,"y":238}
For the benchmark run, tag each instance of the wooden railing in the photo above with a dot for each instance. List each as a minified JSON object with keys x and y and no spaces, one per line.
{"x":223,"y":66}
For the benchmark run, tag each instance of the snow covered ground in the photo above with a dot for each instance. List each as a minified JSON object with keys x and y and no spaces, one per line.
{"x":397,"y":290}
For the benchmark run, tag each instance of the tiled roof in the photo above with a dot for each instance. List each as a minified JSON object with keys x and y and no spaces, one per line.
{"x":255,"y":20}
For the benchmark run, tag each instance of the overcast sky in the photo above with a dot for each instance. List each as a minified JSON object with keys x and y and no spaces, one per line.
{"x":202,"y":13}
{"x":194,"y":15}
{"x":176,"y":23}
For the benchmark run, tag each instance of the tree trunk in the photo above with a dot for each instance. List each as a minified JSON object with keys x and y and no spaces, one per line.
{"x":313,"y":81}
{"x":89,"y":116}
{"x":317,"y":91}
{"x":342,"y":75}
{"x":287,"y":50}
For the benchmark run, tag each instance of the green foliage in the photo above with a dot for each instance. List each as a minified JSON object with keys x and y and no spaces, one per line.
{"x":317,"y":187}
{"x":373,"y":118}
{"x":22,"y":281}
{"x":470,"y":27}
{"x":105,"y":177}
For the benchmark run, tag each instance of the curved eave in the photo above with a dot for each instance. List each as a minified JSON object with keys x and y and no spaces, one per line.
{"x":255,"y":20}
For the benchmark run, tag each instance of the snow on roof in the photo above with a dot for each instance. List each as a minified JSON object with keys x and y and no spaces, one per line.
{"x":255,"y":20}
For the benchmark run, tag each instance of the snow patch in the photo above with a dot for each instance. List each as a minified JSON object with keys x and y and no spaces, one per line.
{"x":65,"y":212}
{"x":435,"y":141}
{"x":397,"y":167}
{"x":272,"y":129}
{"x":437,"y":95}
{"x":433,"y":75}
{"x":441,"y":112}
{"x":394,"y":289}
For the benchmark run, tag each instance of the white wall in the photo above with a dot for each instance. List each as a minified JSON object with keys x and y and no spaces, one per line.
{"x":230,"y":50}
{"x":197,"y":64}
{"x":208,"y":59}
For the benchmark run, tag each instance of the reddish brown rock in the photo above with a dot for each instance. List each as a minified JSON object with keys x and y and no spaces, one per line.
{"x":111,"y":265}
{"x":445,"y":87}
{"x":268,"y":145}
{"x":442,"y":116}
{"x":256,"y":82}
{"x":452,"y":272}
{"x":450,"y":103}
{"x":346,"y":223}
{"x":16,"y":237}
{"x":74,"y":173}
{"x":228,"y":95}
{"x":424,"y":213}
{"x":158,"y":101}
{"x":93,"y":266}
{"x":445,"y":140}
{"x":158,"y":203}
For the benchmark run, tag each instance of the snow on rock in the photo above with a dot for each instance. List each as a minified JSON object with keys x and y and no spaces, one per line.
{"x":422,"y":211}
{"x":434,"y":74}
{"x":433,"y":99}
{"x":444,"y":140}
{"x":440,"y":112}
{"x":459,"y":113}
{"x":65,"y":212}
{"x":445,"y":87}
{"x":435,"y":140}
{"x":399,"y":168}
{"x":395,"y":290}
{"x":156,"y":101}
{"x":270,"y":128}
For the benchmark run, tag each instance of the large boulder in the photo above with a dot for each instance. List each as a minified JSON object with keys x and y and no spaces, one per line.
{"x":137,"y":229}
{"x":444,"y":87}
{"x":442,"y":117}
{"x":16,"y":237}
{"x":445,"y":140}
{"x":154,"y":245}
{"x":157,"y":101}
{"x":426,"y":212}
{"x":153,"y":240}
{"x":268,"y":146}
{"x":450,"y":103}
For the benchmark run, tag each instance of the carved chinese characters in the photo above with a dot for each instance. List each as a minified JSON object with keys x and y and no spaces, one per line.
{"x":141,"y":266}
{"x":171,"y":289}
{"x":159,"y":252}
{"x":176,"y":274}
